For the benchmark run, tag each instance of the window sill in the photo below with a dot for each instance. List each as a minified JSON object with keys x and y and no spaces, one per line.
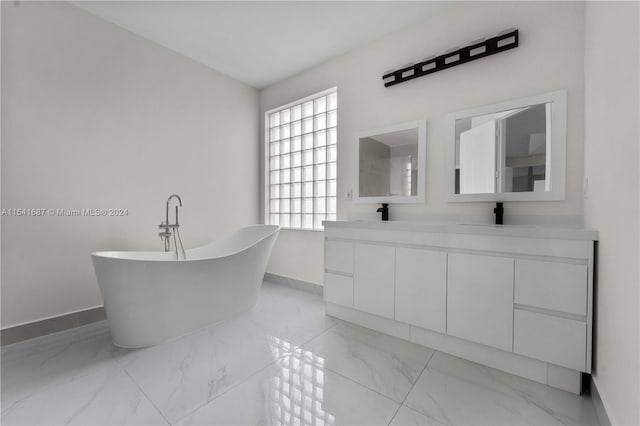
{"x":301,"y":229}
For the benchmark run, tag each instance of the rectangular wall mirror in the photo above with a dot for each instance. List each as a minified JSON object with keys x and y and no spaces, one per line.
{"x":510,"y":151}
{"x":390,"y":164}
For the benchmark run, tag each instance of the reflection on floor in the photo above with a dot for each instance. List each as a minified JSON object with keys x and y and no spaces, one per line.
{"x":284,"y":362}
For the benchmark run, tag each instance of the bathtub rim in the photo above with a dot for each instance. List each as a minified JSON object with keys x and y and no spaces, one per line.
{"x":121,"y":255}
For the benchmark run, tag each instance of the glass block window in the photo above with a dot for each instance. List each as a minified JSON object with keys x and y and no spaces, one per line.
{"x":301,"y":154}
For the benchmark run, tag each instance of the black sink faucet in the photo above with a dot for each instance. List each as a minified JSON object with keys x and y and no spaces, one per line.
{"x":499,"y":211}
{"x":384,"y":210}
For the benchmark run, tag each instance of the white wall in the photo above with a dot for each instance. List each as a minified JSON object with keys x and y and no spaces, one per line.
{"x":95,"y":117}
{"x":612,"y":199}
{"x":550,"y":57}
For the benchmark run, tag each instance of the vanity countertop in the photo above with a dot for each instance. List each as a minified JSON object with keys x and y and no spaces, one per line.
{"x":529,"y":231}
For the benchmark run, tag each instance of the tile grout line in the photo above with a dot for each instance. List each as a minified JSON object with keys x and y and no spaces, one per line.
{"x":123,"y":367}
{"x":360,"y":384}
{"x":144,"y":393}
{"x":229,"y":389}
{"x":430,"y":358}
{"x":413,"y":385}
{"x":60,"y":349}
{"x":46,"y":387}
{"x":338,"y":373}
{"x":365,"y":386}
{"x":338,"y":322}
{"x":289,"y":353}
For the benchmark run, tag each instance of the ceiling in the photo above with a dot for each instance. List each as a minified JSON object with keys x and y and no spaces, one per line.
{"x":262,"y":42}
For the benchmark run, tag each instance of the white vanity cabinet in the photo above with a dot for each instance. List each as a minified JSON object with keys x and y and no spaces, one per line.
{"x":513,"y":298}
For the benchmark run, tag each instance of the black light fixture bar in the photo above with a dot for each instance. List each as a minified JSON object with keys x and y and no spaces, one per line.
{"x":474,"y":51}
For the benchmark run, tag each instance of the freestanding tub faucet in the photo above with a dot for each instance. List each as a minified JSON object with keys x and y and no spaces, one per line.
{"x":167,"y":230}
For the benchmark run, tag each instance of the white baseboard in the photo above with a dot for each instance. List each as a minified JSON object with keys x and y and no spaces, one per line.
{"x":601,"y":411}
{"x":294,"y":283}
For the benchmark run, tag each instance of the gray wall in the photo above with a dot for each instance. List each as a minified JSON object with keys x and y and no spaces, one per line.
{"x":550,"y":57}
{"x":96,"y":117}
{"x":612,"y":200}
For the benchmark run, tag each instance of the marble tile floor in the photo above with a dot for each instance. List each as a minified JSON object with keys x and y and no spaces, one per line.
{"x":283,"y":362}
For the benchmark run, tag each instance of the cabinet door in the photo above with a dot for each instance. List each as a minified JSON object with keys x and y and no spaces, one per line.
{"x":338,"y":289}
{"x":480,"y":299}
{"x":373,"y":279}
{"x":338,"y":256}
{"x":421,"y":288}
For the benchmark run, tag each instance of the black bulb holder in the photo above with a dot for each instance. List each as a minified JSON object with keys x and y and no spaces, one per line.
{"x":476,"y":50}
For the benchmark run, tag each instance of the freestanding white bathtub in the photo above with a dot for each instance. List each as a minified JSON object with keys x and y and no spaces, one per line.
{"x":150,"y":297}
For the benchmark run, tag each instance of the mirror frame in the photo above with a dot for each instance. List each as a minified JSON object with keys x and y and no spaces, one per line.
{"x":557,"y":148}
{"x":421,"y":125}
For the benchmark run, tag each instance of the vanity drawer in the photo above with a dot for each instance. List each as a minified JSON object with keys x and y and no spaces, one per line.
{"x":551,"y":285}
{"x":338,"y":256}
{"x":338,"y":289}
{"x":560,"y":341}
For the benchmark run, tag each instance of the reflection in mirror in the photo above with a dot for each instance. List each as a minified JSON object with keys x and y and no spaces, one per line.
{"x":390,"y":164}
{"x":504,"y":151}
{"x":510,"y":151}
